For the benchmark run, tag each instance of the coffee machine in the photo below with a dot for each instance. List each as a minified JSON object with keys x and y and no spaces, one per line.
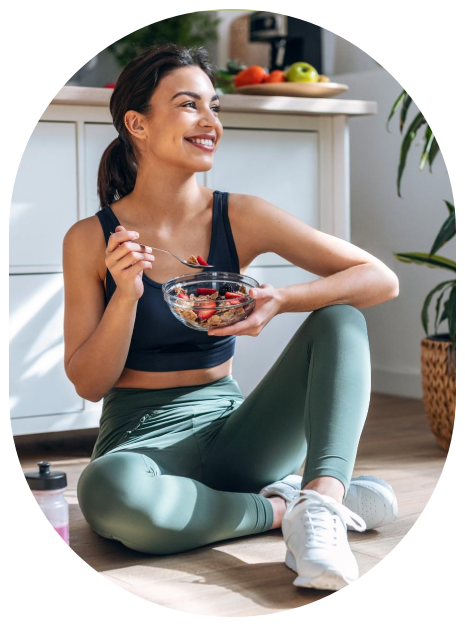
{"x":291,"y":39}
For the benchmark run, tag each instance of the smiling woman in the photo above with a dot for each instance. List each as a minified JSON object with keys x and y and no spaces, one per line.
{"x":182,"y":458}
{"x":165,"y":109}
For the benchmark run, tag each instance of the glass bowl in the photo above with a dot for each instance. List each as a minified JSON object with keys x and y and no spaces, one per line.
{"x":184,"y":300}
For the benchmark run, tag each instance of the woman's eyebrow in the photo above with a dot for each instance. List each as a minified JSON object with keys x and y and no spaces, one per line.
{"x":194,"y":95}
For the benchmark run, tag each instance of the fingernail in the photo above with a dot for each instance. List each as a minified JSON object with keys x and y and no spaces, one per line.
{"x":136,"y":234}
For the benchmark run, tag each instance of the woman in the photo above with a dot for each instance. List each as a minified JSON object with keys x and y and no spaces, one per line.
{"x":182,"y":458}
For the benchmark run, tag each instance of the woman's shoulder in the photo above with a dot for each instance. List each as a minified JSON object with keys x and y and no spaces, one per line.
{"x":88,"y":230}
{"x":86,"y":237}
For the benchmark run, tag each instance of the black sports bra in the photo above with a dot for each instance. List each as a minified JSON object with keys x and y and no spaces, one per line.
{"x":160,"y":343}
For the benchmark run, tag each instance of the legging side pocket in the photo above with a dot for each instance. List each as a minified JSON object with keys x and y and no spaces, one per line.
{"x":133,"y":428}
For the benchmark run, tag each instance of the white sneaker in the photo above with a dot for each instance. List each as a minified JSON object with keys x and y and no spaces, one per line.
{"x":373,"y":499}
{"x":370,"y":497}
{"x":286,"y":488}
{"x":315,"y":533}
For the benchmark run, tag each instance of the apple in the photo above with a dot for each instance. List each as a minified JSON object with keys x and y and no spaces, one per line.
{"x":302,"y":72}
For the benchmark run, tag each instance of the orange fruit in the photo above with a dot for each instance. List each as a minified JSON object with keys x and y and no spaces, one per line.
{"x":276,"y":76}
{"x":251,"y":76}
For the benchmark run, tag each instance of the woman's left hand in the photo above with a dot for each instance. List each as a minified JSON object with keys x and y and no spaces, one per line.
{"x":267,"y":305}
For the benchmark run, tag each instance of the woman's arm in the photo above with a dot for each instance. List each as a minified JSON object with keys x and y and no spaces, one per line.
{"x":350,"y":275}
{"x":96,"y":339}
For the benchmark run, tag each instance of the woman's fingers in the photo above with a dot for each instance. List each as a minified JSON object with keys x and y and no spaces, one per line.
{"x":131,"y":257}
{"x":119,"y":237}
{"x":125,"y":248}
{"x":132,"y":270}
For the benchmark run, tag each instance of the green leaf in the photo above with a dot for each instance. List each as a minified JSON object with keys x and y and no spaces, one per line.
{"x":444,"y":315}
{"x":424,"y":311}
{"x":438,"y":305}
{"x":403,"y":112}
{"x":422,"y":258}
{"x":429,"y":137}
{"x":446,"y":233}
{"x":450,"y":207}
{"x":405,"y":147}
{"x":434,"y":150}
{"x":189,"y":29}
{"x":396,"y":105}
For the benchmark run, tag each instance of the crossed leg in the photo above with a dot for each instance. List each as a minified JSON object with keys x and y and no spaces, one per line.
{"x":310,"y":406}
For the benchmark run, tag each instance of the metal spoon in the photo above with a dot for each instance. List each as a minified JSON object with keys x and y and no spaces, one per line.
{"x":172,"y":254}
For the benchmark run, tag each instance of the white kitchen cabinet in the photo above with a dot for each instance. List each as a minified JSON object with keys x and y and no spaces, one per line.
{"x":292,"y":152}
{"x":44,"y":201}
{"x":97,"y":137}
{"x":38,"y":383}
{"x":280,"y":166}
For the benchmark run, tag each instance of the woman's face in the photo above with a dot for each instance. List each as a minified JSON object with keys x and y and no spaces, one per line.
{"x":179,"y":117}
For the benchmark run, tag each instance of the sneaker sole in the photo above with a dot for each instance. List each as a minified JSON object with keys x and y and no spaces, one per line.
{"x":373,"y":499}
{"x":330,"y":580}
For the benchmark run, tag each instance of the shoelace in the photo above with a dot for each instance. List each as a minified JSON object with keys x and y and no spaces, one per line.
{"x":316,"y":512}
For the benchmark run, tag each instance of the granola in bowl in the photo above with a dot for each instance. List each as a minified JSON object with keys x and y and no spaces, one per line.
{"x":210,"y":299}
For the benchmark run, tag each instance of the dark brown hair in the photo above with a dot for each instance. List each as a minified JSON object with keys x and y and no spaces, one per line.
{"x":133,"y":91}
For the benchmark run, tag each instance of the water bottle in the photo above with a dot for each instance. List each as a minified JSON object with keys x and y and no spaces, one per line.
{"x":48,"y":488}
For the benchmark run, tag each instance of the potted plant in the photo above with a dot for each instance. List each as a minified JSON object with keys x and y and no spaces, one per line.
{"x":438,"y":351}
{"x":191,"y":29}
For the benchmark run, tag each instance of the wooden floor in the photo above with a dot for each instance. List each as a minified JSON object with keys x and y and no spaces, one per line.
{"x":247,"y":576}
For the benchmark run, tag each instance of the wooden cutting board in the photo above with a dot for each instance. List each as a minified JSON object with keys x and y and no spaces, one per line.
{"x":302,"y":90}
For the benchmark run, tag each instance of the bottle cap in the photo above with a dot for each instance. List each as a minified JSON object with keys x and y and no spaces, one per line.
{"x":44,"y":479}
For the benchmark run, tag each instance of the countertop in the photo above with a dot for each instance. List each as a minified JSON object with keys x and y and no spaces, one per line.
{"x":232,"y":103}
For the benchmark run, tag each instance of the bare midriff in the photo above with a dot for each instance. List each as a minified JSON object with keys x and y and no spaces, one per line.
{"x":164,"y":380}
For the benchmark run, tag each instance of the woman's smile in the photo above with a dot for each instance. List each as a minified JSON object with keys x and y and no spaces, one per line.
{"x":203,"y":144}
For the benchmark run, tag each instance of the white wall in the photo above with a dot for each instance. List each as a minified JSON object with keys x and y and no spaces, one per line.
{"x":383,"y":223}
{"x":340,"y":56}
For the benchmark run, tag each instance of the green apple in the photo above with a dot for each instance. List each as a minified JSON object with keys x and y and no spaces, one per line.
{"x":302,"y":72}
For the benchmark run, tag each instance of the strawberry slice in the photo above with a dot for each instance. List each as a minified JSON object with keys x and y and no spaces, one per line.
{"x":205,"y":291}
{"x":209,"y":307}
{"x":184,"y":296}
{"x":201,"y":261}
{"x":237,"y":295}
{"x":234,"y":301}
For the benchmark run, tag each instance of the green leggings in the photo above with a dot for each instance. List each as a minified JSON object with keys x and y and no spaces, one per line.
{"x":178,"y":468}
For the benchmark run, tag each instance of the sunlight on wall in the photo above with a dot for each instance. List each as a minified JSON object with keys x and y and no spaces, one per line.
{"x":45,"y":362}
{"x":50,"y":333}
{"x":19,"y":211}
{"x":30,"y":307}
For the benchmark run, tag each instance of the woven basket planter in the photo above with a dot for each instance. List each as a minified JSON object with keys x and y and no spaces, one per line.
{"x":438,"y":382}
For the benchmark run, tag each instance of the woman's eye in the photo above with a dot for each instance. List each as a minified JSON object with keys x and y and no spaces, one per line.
{"x":215,"y":108}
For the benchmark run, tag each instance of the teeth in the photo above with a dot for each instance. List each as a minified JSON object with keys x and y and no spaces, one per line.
{"x":206,"y":142}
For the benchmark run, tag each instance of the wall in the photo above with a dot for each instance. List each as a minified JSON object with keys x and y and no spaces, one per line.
{"x":383,"y":223}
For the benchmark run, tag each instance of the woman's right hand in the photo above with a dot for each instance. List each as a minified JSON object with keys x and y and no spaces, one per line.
{"x":126,"y":261}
